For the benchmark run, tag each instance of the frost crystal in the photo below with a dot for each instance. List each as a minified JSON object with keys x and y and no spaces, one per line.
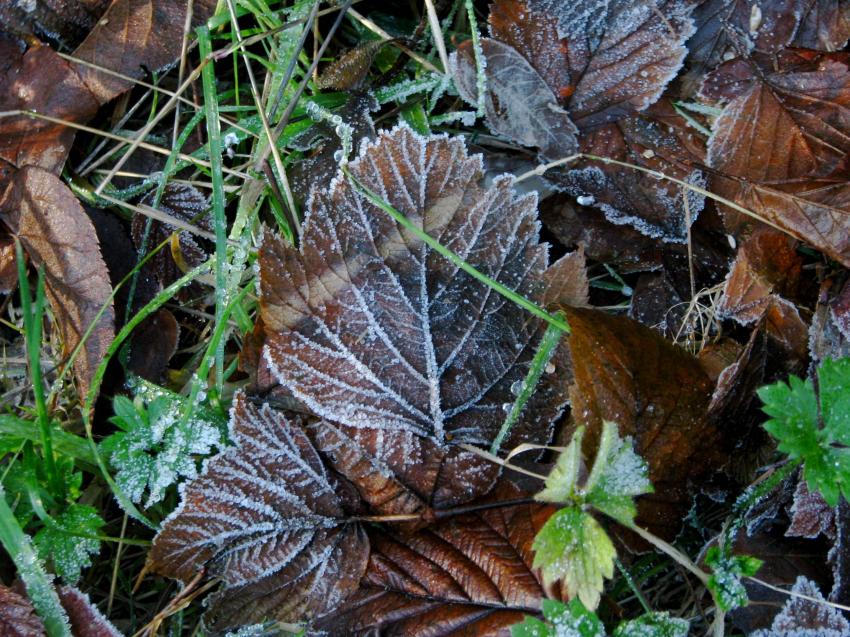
{"x":155,"y":447}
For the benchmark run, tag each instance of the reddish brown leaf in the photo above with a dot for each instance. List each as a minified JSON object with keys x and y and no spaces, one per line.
{"x":811,"y":516}
{"x":655,"y":392}
{"x":133,"y":37}
{"x":764,"y":274}
{"x":17,"y":616}
{"x":55,"y":231}
{"x":534,"y":35}
{"x":518,"y":103}
{"x":402,"y":351}
{"x":622,"y":53}
{"x":85,"y":619}
{"x":265,"y":517}
{"x":468,"y":575}
{"x":41,"y":81}
{"x":816,"y":211}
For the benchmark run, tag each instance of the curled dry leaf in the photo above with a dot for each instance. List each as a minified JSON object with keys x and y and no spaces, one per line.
{"x":518,"y":103}
{"x":265,"y":517}
{"x":404,"y":352}
{"x":765,"y":273}
{"x":17,"y":616}
{"x":468,"y":575}
{"x":655,"y":392}
{"x":56,"y":232}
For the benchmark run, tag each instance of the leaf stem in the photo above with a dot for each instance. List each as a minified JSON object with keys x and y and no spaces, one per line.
{"x":454,"y":258}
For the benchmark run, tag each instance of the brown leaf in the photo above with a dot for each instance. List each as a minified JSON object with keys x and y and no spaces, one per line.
{"x":348,"y":71}
{"x":811,"y":516}
{"x":85,"y":619}
{"x":622,"y":53}
{"x":765,"y":273}
{"x":8,"y":265}
{"x":566,"y":281}
{"x":732,"y":27}
{"x":154,"y":343}
{"x":133,"y":37}
{"x":518,"y":103}
{"x":805,"y":613}
{"x":41,"y":81}
{"x":65,"y":22}
{"x":659,"y":140}
{"x":379,"y":334}
{"x":55,"y":231}
{"x":17,"y":616}
{"x":468,"y":575}
{"x":184,"y":203}
{"x":534,"y":35}
{"x":655,"y":392}
{"x":265,"y":517}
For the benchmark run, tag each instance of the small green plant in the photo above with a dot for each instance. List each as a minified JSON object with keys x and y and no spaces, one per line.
{"x":813,"y":428}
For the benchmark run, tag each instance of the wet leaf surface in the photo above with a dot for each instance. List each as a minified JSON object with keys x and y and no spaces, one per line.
{"x":657,"y":393}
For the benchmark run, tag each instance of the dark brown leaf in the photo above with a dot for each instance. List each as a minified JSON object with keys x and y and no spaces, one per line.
{"x":65,"y":22}
{"x":8,"y":265}
{"x":55,"y":231}
{"x":154,"y":343}
{"x":622,"y":53}
{"x":85,"y":619}
{"x":469,"y":575}
{"x":347,"y":71}
{"x":17,"y":616}
{"x":41,"y":81}
{"x":566,"y":281}
{"x":659,"y":140}
{"x":811,"y":516}
{"x":735,"y":27}
{"x":655,"y":392}
{"x":518,"y":103}
{"x":402,"y":351}
{"x":133,"y":37}
{"x":265,"y":517}
{"x":184,"y":203}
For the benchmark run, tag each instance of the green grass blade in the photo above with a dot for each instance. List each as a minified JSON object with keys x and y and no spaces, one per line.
{"x":219,"y":219}
{"x":541,"y":359}
{"x":38,"y":584}
{"x":64,"y":443}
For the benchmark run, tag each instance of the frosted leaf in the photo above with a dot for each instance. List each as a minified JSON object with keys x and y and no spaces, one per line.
{"x":85,"y":618}
{"x":805,"y":618}
{"x":518,"y":104}
{"x":403,"y":352}
{"x":155,"y":448}
{"x":656,"y":208}
{"x":811,"y":516}
{"x":17,"y":616}
{"x":264,"y":516}
{"x":622,"y":53}
{"x":60,"y":542}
